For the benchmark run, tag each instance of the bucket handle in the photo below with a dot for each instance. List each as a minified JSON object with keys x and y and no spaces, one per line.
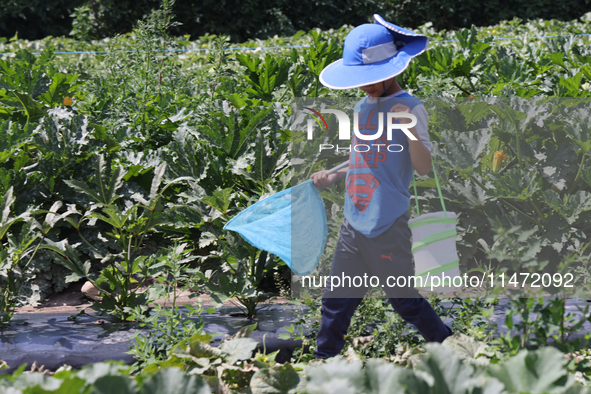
{"x":414,"y":185}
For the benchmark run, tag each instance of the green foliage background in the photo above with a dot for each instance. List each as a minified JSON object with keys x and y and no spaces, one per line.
{"x":244,"y":19}
{"x":212,"y":128}
{"x":220,"y":117}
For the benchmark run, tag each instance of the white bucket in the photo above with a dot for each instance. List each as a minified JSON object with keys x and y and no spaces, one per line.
{"x":434,"y":251}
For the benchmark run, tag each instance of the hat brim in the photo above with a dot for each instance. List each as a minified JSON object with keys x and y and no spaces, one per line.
{"x":395,"y":29}
{"x":339,"y":76}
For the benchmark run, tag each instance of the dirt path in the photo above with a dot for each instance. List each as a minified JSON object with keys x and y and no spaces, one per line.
{"x":72,"y":300}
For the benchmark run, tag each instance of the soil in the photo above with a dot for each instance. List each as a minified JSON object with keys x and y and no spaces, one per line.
{"x":72,"y":300}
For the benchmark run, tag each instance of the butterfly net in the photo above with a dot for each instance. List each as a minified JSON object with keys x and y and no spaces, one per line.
{"x":290,"y":224}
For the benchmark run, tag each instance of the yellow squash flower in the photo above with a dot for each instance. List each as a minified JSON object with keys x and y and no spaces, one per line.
{"x":497,"y":160}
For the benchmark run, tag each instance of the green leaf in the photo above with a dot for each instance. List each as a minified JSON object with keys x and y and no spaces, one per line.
{"x":266,"y":162}
{"x":557,"y":58}
{"x":7,"y":220}
{"x":174,"y":380}
{"x":384,"y":377}
{"x":33,"y":109}
{"x":68,"y":257}
{"x":7,"y":202}
{"x":83,"y":187}
{"x":107,"y":185}
{"x":264,"y":76}
{"x":275,"y":380}
{"x":115,"y":182}
{"x":468,"y":349}
{"x":462,"y":150}
{"x":337,"y":376}
{"x":51,"y":217}
{"x":539,"y":371}
{"x":572,"y":84}
{"x":230,"y":129}
{"x":245,"y":331}
{"x":474,"y":112}
{"x":570,"y":206}
{"x":60,"y":85}
{"x":217,"y":299}
{"x":157,"y":180}
{"x":62,"y":134}
{"x":200,"y":349}
{"x":116,"y":218}
{"x":204,"y":337}
{"x":220,"y":200}
{"x":184,"y":155}
{"x":238,"y":349}
{"x":586,"y":176}
{"x":515,"y":184}
{"x":474,"y":195}
{"x":518,"y":116}
{"x":114,"y":385}
{"x":579,"y":126}
{"x":37,"y":380}
{"x":206,"y":239}
{"x":448,"y":374}
{"x":558,"y":164}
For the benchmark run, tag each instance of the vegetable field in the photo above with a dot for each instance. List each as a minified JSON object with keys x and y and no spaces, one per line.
{"x":122,"y":159}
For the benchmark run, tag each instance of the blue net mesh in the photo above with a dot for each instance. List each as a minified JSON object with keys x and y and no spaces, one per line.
{"x":290,"y":224}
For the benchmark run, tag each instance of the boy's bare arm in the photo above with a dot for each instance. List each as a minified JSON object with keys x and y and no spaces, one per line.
{"x":322,"y":179}
{"x":420,"y":156}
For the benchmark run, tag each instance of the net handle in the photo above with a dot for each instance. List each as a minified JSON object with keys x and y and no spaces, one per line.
{"x":414,"y":185}
{"x":339,"y":167}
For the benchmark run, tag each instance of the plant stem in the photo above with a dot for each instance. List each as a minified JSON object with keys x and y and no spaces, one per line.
{"x":517,"y":142}
{"x":316,"y":86}
{"x":252,"y":262}
{"x":34,"y":253}
{"x":467,"y":92}
{"x":580,"y":170}
{"x":478,"y":183}
{"x":87,"y":243}
{"x":514,"y":208}
{"x":562,"y":311}
{"x":146,"y":227}
{"x":533,"y":204}
{"x":129,"y":267}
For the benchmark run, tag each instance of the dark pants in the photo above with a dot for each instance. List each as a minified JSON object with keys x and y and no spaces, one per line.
{"x":387,"y":257}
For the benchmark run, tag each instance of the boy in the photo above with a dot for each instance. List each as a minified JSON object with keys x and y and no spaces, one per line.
{"x":374,"y":237}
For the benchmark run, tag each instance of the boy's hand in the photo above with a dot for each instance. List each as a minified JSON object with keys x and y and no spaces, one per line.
{"x":401,"y":108}
{"x":420,"y":156}
{"x":322,"y":179}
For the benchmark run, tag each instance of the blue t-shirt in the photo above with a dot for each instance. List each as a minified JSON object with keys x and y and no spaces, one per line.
{"x":380,"y":171}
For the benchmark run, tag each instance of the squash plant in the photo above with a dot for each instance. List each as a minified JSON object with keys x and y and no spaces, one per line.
{"x":538,"y":192}
{"x":29,"y":85}
{"x":248,"y":150}
{"x":168,"y":325}
{"x":126,"y":271}
{"x":18,"y":249}
{"x":243,"y":267}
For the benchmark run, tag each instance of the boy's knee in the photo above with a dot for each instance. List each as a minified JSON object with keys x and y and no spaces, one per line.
{"x":339,"y":308}
{"x":408,"y":306}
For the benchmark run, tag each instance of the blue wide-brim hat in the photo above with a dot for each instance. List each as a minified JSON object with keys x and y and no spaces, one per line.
{"x":373,"y":53}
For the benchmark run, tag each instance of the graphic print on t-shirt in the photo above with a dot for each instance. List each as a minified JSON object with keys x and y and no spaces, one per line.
{"x":380,"y":169}
{"x":360,"y":188}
